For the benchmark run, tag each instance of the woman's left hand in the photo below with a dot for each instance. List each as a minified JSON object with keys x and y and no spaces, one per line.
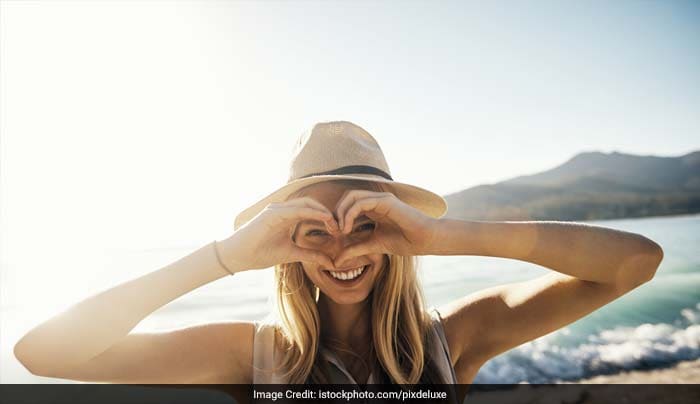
{"x":400,"y":229}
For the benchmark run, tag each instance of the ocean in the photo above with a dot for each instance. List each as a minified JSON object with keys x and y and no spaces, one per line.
{"x":655,"y":325}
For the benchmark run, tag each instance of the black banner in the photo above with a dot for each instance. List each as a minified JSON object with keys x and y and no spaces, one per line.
{"x":350,"y":394}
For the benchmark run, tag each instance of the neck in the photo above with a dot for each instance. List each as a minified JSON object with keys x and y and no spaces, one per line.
{"x":347,"y":323}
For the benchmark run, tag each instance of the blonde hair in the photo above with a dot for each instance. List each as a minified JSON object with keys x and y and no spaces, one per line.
{"x":400,"y":323}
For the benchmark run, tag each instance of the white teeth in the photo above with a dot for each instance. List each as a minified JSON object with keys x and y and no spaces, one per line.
{"x":347,"y":274}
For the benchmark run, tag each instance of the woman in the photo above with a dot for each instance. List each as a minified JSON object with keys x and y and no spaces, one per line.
{"x":343,"y":237}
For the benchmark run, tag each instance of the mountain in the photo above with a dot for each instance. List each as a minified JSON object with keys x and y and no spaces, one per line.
{"x":589,"y":186}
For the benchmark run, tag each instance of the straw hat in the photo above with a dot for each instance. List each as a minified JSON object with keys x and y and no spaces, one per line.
{"x":341,"y":150}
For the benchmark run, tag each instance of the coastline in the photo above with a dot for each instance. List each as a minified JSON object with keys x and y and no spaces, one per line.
{"x":685,"y":372}
{"x":670,"y":216}
{"x":676,"y":384}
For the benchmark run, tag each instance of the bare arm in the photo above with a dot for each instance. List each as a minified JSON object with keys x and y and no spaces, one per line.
{"x":587,"y":252}
{"x":594,"y":265}
{"x":90,"y":341}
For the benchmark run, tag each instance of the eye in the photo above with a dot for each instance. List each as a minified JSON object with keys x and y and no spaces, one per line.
{"x":316,"y":233}
{"x":365,"y":227}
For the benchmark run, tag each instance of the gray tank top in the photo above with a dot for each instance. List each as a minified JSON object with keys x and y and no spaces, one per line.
{"x":266,"y":357}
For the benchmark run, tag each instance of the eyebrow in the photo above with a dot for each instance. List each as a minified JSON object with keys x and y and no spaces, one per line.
{"x":310,"y":222}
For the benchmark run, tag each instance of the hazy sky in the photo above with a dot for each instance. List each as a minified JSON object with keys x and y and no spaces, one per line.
{"x":153,"y":123}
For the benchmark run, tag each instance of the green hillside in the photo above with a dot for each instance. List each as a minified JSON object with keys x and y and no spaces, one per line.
{"x":590,"y":186}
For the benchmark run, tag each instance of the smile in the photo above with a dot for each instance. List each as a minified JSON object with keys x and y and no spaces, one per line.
{"x":347,"y":275}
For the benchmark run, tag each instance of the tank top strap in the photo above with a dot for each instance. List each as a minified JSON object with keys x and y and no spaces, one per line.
{"x":441,"y":351}
{"x":266,"y":359}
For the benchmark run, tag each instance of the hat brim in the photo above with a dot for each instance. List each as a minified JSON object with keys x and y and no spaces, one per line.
{"x":426,"y":201}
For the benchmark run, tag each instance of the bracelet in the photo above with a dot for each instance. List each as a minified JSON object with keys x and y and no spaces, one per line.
{"x":218,"y":258}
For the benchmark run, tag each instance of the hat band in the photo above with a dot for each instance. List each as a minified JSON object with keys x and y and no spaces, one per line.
{"x":353,"y":170}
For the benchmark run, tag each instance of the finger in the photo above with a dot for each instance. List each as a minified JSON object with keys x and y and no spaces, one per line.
{"x":331,"y":223}
{"x":327,"y":219}
{"x":348,"y":199}
{"x":357,"y":250}
{"x":309,"y":255}
{"x":308,"y":201}
{"x":377,"y":207}
{"x":291,"y":216}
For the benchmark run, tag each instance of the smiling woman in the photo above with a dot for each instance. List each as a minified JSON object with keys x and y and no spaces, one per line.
{"x":344,"y":299}
{"x":343,"y":237}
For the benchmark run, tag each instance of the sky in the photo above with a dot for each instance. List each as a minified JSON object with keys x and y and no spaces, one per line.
{"x":152,"y":124}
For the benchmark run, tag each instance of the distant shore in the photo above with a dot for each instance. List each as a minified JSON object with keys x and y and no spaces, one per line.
{"x":676,"y":384}
{"x":686,"y":372}
{"x":670,"y":215}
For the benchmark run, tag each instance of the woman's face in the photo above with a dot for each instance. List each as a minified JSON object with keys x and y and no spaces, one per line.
{"x":360,"y":272}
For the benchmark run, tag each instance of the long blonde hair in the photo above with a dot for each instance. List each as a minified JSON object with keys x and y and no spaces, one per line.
{"x":400,"y":323}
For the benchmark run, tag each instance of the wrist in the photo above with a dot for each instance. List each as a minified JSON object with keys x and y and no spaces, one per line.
{"x":452,"y":237}
{"x":226,"y":250}
{"x":439,"y":234}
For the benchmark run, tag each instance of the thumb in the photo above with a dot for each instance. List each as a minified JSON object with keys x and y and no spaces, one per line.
{"x":309,"y":255}
{"x":355,"y":250}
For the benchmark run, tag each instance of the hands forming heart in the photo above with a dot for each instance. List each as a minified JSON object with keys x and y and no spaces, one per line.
{"x":266,"y":240}
{"x":400,"y":229}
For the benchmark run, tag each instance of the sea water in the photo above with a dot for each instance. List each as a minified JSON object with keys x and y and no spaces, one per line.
{"x":656,"y":324}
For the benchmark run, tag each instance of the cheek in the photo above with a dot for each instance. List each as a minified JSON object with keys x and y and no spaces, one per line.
{"x":306,"y":267}
{"x":380,"y":262}
{"x":311,"y":271}
{"x":379,"y":259}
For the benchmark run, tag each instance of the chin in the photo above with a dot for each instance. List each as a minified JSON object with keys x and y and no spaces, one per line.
{"x":347,"y":298}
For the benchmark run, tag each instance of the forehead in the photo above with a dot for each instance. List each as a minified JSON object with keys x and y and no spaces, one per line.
{"x":329,"y":194}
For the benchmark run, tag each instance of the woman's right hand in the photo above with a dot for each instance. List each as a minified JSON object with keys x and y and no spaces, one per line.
{"x":266,"y":240}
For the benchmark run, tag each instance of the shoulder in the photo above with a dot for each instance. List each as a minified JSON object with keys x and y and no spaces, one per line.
{"x":461,"y":323}
{"x":437,"y":331}
{"x":267,"y":335}
{"x":455,"y":370}
{"x":270,"y":348}
{"x":234,"y":341}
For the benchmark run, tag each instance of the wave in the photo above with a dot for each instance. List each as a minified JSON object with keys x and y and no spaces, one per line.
{"x":606,"y":352}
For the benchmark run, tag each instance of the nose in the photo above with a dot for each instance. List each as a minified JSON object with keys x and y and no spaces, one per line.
{"x":338,"y":243}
